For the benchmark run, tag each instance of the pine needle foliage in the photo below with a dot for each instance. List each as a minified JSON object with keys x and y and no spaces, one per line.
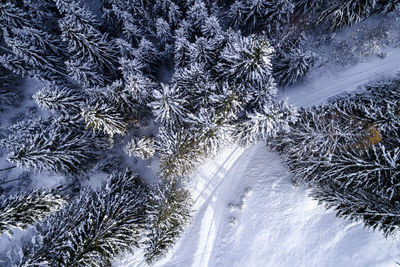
{"x":168,"y":211}
{"x":143,"y":148}
{"x":348,"y":153}
{"x":94,"y":228}
{"x":24,"y":209}
{"x":105,"y":118}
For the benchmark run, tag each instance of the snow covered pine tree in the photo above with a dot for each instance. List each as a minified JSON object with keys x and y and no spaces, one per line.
{"x":81,"y":234}
{"x":24,"y":209}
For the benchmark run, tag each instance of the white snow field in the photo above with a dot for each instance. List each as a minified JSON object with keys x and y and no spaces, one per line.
{"x":276,"y":224}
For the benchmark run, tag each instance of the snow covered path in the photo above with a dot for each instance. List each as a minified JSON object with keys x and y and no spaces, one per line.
{"x":278,"y":225}
{"x":319,"y":87}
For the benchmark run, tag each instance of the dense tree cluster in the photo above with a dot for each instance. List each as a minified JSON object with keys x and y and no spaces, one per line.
{"x":177,"y":81}
{"x":131,"y":215}
{"x":348,"y":152}
{"x":82,"y":234}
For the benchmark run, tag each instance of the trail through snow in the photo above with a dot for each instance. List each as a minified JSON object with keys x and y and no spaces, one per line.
{"x":320,"y":87}
{"x":278,"y":225}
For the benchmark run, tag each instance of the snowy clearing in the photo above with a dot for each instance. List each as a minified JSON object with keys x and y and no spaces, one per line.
{"x":276,"y":224}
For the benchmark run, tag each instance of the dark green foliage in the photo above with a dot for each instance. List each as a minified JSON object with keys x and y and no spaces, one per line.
{"x":9,"y":93}
{"x":12,"y":16}
{"x":389,"y":5}
{"x":168,"y":211}
{"x":373,"y":210}
{"x":105,"y":118}
{"x":94,"y":228}
{"x":176,"y":73}
{"x":59,"y":145}
{"x":85,"y":41}
{"x":24,"y":209}
{"x":349,"y":152}
{"x":292,"y":66}
{"x":260,"y":15}
{"x":305,"y":7}
{"x":40,"y":51}
{"x":345,"y":12}
{"x":265,"y":122}
{"x":63,"y":99}
{"x":180,"y":153}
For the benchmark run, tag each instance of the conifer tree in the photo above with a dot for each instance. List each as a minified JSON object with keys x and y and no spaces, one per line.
{"x":359,"y":205}
{"x":105,"y":118}
{"x":197,"y":14}
{"x":236,"y":14}
{"x":203,"y":51}
{"x":277,"y":14}
{"x":24,"y":209}
{"x":168,"y":105}
{"x":266,"y":122}
{"x":196,"y":81}
{"x":309,"y":6}
{"x":388,"y":6}
{"x":82,"y":234}
{"x":142,"y":89}
{"x":291,"y":66}
{"x":9,"y":93}
{"x":373,"y":170}
{"x":211,"y":27}
{"x":142,"y":148}
{"x":168,"y":211}
{"x":163,"y":31}
{"x":121,"y":97}
{"x":325,"y":130}
{"x":345,"y":12}
{"x":59,"y":145}
{"x":59,"y":98}
{"x":147,"y":57}
{"x":85,"y":73}
{"x":348,"y":153}
{"x":12,"y":16}
{"x":180,"y":153}
{"x":174,"y":14}
{"x":266,"y":15}
{"x":85,"y":42}
{"x":42,"y":12}
{"x":39,"y":50}
{"x":254,"y":11}
{"x":247,"y":61}
{"x":181,"y":51}
{"x":17,"y":66}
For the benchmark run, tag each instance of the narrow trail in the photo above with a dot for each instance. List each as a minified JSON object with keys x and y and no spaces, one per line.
{"x":321,"y":87}
{"x":279,"y":225}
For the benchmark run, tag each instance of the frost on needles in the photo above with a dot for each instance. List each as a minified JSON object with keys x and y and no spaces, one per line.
{"x":172,"y":83}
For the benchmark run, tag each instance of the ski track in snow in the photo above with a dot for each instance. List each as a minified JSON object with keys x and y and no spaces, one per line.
{"x":279,"y":225}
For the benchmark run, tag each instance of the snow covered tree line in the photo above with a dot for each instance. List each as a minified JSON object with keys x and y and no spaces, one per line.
{"x":348,"y":152}
{"x":79,"y":233}
{"x":107,"y":69}
{"x":106,"y":72}
{"x":206,"y":73}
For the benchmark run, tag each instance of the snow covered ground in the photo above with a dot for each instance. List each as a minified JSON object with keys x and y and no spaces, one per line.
{"x":276,"y":224}
{"x":320,"y":86}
